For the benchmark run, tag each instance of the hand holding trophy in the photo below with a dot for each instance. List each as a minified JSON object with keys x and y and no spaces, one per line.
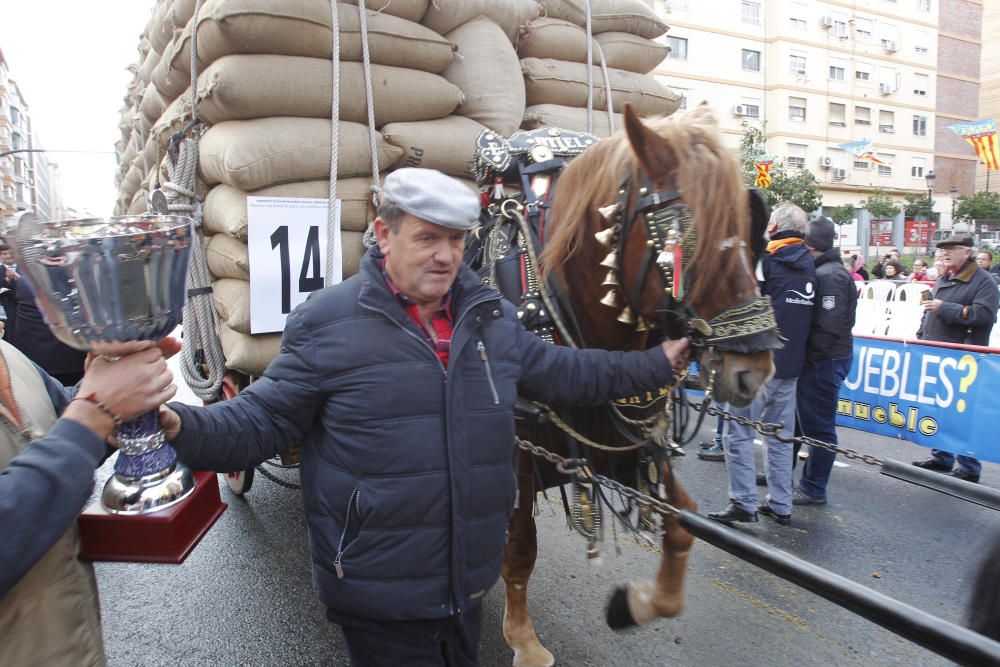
{"x":102,"y":283}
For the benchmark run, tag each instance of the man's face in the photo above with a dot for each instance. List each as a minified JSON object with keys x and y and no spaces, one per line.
{"x":953,"y":257}
{"x":7,"y":256}
{"x":894,"y":255}
{"x":422,"y":258}
{"x":984,"y":259}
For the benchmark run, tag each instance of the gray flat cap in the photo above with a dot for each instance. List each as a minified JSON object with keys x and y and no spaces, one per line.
{"x":432,"y":196}
{"x":960,"y":238}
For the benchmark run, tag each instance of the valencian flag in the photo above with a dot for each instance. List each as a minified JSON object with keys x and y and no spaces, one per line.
{"x":763,"y":166}
{"x":982,"y":134}
{"x":861,"y":150}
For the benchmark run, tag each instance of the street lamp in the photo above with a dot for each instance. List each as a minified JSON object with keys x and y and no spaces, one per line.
{"x":929,"y":177}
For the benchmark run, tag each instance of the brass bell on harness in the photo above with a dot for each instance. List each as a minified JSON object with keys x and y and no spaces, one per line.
{"x":626,"y":316}
{"x":605,"y":237}
{"x":610,"y":211}
{"x":642,"y":326}
{"x":611,"y":280}
{"x":611,"y":299}
{"x":611,"y":261}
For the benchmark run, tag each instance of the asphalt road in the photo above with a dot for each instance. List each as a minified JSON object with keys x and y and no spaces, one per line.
{"x":245,"y":597}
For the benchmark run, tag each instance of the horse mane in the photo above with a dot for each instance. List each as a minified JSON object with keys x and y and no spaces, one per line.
{"x":704,"y":170}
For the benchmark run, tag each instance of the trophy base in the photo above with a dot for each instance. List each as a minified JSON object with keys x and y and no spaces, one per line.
{"x":165,"y":536}
{"x":150,"y":493}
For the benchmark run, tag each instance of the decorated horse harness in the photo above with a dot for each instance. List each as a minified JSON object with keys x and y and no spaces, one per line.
{"x":517,"y":178}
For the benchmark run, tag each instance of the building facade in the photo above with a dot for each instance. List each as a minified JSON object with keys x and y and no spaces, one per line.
{"x":989,"y":98}
{"x":814,"y":75}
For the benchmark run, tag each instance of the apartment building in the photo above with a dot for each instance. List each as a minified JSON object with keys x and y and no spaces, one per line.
{"x":815,"y":75}
{"x":28,"y":180}
{"x":989,"y":99}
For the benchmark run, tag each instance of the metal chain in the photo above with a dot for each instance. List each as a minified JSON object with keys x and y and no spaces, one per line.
{"x":773,"y":430}
{"x":578,"y":469}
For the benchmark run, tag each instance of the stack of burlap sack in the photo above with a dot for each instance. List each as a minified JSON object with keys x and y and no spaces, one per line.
{"x":442,"y":72}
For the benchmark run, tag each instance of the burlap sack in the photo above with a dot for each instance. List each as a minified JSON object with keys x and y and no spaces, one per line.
{"x":302,"y":28}
{"x":148,"y":65}
{"x":225,"y":209}
{"x":252,"y":154}
{"x":157,"y":33}
{"x":488,"y":73}
{"x":227,"y":257}
{"x":446,"y":144}
{"x":443,"y":16}
{"x":411,"y":10}
{"x":625,"y":51}
{"x":258,"y":86}
{"x":549,"y":81}
{"x":632,"y":16}
{"x":171,"y":81}
{"x":547,"y":37}
{"x":133,"y":177}
{"x":138,"y":205}
{"x":248,"y":354}
{"x":569,"y":118}
{"x":232,"y":303}
{"x":152,"y":104}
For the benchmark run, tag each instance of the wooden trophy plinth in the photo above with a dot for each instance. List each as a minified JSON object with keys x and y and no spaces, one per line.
{"x":165,"y":536}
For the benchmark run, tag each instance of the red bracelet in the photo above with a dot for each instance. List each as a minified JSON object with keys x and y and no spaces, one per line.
{"x":92,"y":398}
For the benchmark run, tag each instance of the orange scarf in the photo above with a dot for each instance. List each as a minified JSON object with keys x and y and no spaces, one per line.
{"x":774,"y":246}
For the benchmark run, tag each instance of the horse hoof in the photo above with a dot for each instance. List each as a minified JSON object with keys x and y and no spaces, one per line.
{"x":618,"y":615}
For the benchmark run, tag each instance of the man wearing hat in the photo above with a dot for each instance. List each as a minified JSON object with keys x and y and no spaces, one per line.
{"x":829,"y":355}
{"x":962,"y":309}
{"x":400,"y":385}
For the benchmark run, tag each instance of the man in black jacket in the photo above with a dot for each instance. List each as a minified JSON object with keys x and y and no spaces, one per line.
{"x":787,"y":275}
{"x":400,"y":384}
{"x":962,"y":310}
{"x":829,"y":356}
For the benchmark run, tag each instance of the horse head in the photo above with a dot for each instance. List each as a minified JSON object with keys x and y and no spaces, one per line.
{"x":659,"y":210}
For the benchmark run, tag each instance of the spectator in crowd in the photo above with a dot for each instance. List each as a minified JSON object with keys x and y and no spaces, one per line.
{"x":984,"y":603}
{"x":32,"y":336}
{"x":789,"y":278}
{"x":50,"y":445}
{"x":879,"y":269}
{"x":712,"y":450}
{"x":893,"y":270}
{"x":962,"y":309}
{"x":859,"y":267}
{"x":829,"y":354}
{"x":8,"y":282}
{"x":400,"y":384}
{"x":919,"y":270}
{"x":984,"y":258}
{"x":849,"y":265}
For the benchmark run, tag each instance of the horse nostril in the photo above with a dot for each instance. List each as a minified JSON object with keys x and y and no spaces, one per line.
{"x":743,"y":383}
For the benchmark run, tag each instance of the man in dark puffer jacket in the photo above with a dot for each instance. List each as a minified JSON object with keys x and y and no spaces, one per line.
{"x":400,"y":385}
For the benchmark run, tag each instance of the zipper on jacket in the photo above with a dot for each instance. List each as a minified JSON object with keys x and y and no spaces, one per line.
{"x":351,"y":502}
{"x":489,"y":375}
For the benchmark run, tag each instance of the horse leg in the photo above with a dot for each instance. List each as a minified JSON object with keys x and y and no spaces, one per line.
{"x":640,"y":602}
{"x":518,"y":562}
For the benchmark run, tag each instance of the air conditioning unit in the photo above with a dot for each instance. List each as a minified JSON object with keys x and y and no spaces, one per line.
{"x":840,"y":174}
{"x":826,"y":21}
{"x":826,"y":162}
{"x":890,"y":47}
{"x":741,"y":110}
{"x":885,"y":88}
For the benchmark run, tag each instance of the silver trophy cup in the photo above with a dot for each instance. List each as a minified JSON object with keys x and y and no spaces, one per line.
{"x":99,"y":281}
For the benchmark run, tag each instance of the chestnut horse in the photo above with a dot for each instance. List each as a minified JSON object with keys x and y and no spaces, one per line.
{"x":685,"y":161}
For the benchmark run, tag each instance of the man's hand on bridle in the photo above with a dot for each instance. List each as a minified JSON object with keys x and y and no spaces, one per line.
{"x":678,"y":353}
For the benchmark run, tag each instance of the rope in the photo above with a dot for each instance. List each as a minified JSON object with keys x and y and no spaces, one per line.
{"x":203,"y":375}
{"x":590,"y":70}
{"x":376,"y":188}
{"x":607,"y":89}
{"x":332,"y":226}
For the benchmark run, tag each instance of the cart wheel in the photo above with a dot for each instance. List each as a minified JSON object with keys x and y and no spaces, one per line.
{"x":239,"y":482}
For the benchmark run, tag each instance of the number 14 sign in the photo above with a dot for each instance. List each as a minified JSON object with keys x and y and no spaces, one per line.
{"x":286,"y":238}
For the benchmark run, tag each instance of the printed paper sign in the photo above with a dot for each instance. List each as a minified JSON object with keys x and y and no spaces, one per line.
{"x":287,"y":239}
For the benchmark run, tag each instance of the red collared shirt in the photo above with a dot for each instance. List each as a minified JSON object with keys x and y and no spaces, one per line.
{"x":441,"y":320}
